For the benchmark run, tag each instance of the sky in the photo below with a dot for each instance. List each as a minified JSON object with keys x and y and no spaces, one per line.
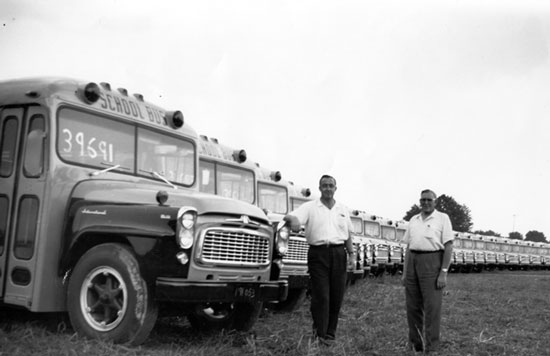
{"x":390,"y":97}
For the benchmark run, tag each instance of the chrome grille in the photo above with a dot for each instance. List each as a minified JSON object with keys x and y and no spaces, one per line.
{"x":297,"y":250}
{"x":235,"y":247}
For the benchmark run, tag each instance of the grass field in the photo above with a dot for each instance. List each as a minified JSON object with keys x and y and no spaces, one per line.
{"x":500,"y":313}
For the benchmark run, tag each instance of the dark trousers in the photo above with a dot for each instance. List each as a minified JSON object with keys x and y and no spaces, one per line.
{"x":327,"y":271}
{"x":423,"y":299}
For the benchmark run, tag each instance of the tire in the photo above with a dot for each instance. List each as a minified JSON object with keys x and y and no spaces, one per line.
{"x":225,"y":316}
{"x":125,"y":312}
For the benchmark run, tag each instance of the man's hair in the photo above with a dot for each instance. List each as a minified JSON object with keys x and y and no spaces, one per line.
{"x":327,"y":176}
{"x":429,"y":191}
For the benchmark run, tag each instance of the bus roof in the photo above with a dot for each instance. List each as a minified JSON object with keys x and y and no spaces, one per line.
{"x":98,"y":97}
{"x":211,"y":148}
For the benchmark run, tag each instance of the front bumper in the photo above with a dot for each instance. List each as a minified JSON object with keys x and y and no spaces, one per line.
{"x":184,"y":291}
{"x":297,"y":281}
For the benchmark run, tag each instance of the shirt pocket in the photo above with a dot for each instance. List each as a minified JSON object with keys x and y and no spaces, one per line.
{"x":433,"y":232}
{"x":341,"y":221}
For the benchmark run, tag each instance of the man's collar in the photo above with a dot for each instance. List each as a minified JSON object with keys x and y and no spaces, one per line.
{"x":419,"y":216}
{"x":319,"y":202}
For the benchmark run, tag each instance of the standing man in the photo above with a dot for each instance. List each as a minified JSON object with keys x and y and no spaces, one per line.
{"x":429,"y":239}
{"x":328,"y":233}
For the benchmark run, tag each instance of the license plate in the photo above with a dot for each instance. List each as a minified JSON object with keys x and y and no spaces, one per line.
{"x":244,"y":293}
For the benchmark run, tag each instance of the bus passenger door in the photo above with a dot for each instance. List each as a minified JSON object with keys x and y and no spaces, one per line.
{"x":22,"y":185}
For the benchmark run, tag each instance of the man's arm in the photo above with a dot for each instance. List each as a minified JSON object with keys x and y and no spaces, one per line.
{"x":407,"y":256}
{"x":447,"y":254}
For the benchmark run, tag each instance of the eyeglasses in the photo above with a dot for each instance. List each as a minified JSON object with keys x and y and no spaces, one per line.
{"x":426,"y":200}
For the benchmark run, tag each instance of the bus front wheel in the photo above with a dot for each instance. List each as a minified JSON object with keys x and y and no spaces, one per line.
{"x":107,"y":297}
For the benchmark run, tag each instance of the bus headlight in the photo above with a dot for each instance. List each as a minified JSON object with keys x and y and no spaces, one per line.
{"x":185,"y":238}
{"x":183,"y":258}
{"x":283,"y":234}
{"x":187,"y":218}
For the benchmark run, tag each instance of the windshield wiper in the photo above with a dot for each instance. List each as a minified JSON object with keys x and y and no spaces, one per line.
{"x":95,"y":173}
{"x":160,"y":176}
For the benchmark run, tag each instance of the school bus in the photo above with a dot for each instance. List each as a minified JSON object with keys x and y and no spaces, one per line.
{"x":227,"y":171}
{"x":380,"y":248}
{"x":536,"y":252}
{"x":468,"y":249}
{"x":356,"y":262}
{"x":395,"y":254}
{"x":521,"y":247}
{"x":545,"y":250}
{"x":295,"y":260}
{"x":400,"y":229}
{"x":510,"y":250}
{"x":100,"y":216}
{"x":457,"y":258}
{"x":493,"y":257}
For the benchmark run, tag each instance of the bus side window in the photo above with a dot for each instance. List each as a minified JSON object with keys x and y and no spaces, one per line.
{"x":7,"y":146}
{"x":34,"y":154}
{"x":207,"y":177}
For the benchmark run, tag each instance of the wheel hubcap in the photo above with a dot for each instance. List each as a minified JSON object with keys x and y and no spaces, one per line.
{"x":103,"y":298}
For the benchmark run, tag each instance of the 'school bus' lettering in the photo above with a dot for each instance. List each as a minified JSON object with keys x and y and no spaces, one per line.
{"x":120,"y":105}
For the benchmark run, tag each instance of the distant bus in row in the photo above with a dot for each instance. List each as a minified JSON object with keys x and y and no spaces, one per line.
{"x":228,"y":172}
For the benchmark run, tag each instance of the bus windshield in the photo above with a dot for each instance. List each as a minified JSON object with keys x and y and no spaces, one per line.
{"x":296,"y":202}
{"x":357,"y":225}
{"x":226,"y":181}
{"x":171,"y":157}
{"x":273,"y":198}
{"x":399,"y":234}
{"x":94,"y":141}
{"x":372,"y":229}
{"x":388,"y":233}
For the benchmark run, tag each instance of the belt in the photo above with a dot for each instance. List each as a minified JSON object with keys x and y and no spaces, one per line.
{"x":326,"y":246}
{"x":423,"y":251}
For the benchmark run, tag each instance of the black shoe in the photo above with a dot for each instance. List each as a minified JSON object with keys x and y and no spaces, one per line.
{"x":325,"y":341}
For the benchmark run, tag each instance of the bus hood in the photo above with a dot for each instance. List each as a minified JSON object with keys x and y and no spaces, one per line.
{"x":122,"y":192}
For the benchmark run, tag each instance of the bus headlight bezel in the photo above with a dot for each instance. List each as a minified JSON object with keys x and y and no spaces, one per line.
{"x":282,"y":238}
{"x":187,"y":218}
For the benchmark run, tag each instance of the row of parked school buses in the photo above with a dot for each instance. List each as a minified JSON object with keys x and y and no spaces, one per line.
{"x":381,"y":249}
{"x":378,"y":241}
{"x":116,"y":211}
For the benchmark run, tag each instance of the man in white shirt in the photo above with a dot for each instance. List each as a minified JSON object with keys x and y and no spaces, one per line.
{"x":429,"y":239}
{"x":328,"y":233}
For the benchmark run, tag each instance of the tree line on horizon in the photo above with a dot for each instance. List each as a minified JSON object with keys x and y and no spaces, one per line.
{"x":461,"y":220}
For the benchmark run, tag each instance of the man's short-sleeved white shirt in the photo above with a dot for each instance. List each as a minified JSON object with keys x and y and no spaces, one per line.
{"x":430,"y":234}
{"x":323,"y":225}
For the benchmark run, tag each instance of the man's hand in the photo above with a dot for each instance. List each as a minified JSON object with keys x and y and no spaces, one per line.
{"x":294,"y":222}
{"x":442,"y":280}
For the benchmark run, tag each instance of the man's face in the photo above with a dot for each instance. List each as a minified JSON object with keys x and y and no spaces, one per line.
{"x":327,"y":186}
{"x":427,"y":203}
